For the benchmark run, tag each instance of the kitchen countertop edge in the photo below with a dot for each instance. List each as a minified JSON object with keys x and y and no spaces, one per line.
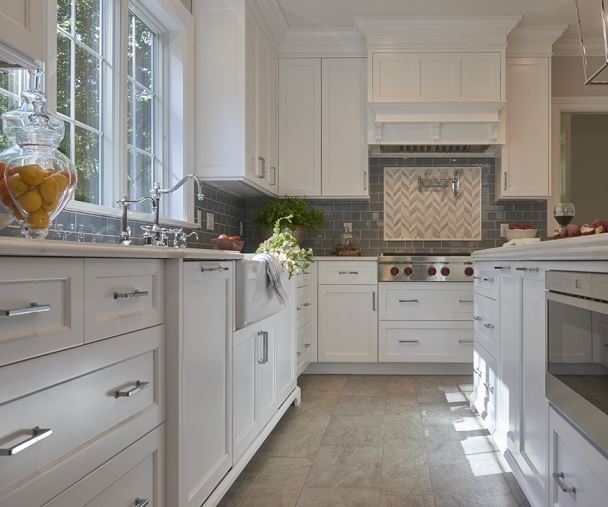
{"x":338,"y":258}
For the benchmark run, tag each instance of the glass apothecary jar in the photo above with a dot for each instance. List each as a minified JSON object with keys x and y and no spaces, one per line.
{"x":38,"y":180}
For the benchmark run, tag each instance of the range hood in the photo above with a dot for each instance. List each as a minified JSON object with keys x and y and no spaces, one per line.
{"x":404,"y":150}
{"x":436,"y":81}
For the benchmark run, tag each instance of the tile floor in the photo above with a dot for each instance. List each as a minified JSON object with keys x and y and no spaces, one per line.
{"x":387,"y":441}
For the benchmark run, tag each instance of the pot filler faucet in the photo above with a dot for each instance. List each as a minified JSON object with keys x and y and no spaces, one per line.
{"x":154,"y":235}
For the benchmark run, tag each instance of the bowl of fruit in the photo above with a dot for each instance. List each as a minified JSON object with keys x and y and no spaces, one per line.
{"x":517,"y":231}
{"x":225,"y":242}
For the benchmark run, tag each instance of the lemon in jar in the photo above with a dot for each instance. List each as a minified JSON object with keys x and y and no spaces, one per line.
{"x":17,"y":185}
{"x":31,"y":201}
{"x":38,"y":219}
{"x":49,"y":189}
{"x":32,"y":174}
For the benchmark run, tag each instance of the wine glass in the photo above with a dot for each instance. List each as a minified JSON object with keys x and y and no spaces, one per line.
{"x":564,"y":212}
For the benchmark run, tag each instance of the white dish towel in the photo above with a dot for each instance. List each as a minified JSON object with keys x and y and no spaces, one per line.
{"x":274,"y":268}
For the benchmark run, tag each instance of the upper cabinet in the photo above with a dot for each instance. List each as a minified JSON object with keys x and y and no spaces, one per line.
{"x":23,"y":32}
{"x":409,"y":76}
{"x":236,"y":76}
{"x":525,"y":169}
{"x":322,"y":122}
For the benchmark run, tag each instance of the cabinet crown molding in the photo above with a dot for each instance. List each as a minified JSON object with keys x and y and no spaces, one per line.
{"x":323,"y":42}
{"x":534,"y":41}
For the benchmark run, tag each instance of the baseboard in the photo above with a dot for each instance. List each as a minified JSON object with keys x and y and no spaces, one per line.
{"x":519,"y":477}
{"x":390,"y":368}
{"x":237,"y":468}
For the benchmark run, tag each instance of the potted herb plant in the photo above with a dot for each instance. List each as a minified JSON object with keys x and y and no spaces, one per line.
{"x":303,"y":217}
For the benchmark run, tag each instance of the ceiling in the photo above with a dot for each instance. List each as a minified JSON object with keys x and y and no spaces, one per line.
{"x":306,"y":13}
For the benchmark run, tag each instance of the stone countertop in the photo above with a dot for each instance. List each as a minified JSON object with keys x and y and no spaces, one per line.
{"x":57,"y":248}
{"x":338,"y":258}
{"x":582,"y":248}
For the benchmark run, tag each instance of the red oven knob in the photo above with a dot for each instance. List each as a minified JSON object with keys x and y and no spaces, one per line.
{"x":445,"y":271}
{"x":469,"y":271}
{"x":432,"y":271}
{"x":394,"y":271}
{"x":408,"y":271}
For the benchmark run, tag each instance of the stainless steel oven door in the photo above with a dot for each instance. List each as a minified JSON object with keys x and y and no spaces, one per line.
{"x":577,"y":362}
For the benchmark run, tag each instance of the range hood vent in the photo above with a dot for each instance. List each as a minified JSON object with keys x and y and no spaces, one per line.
{"x":427,"y":149}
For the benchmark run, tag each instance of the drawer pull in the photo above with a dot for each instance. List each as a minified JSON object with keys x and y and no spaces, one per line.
{"x":33,"y":308}
{"x":489,"y":387}
{"x":139,"y":386}
{"x":533,"y":270}
{"x":348,"y":272}
{"x":465,"y":341}
{"x":306,"y":305}
{"x":488,"y":325}
{"x":409,"y":301}
{"x":307,"y":345}
{"x":38,"y":434}
{"x":559,"y":478}
{"x":477,"y":317}
{"x":409,"y":341}
{"x":477,"y":277}
{"x":491,"y":280}
{"x":205,"y":269}
{"x":298,"y":353}
{"x":500,"y":267}
{"x":465,"y":301}
{"x":129,"y":295}
{"x":298,"y":308}
{"x":264,"y":335}
{"x":141,"y":502}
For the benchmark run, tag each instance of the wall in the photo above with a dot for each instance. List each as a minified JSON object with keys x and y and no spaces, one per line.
{"x":589,"y":172}
{"x":567,"y":77}
{"x":367,"y":216}
{"x":228,"y":210}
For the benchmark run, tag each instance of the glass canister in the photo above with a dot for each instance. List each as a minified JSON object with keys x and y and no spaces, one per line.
{"x":38,"y":179}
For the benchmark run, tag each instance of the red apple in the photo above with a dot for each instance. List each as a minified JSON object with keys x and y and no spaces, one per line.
{"x":234,"y":238}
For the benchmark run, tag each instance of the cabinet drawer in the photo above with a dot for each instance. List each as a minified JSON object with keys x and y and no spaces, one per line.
{"x":303,"y":279}
{"x":122,"y":296}
{"x":56,"y":286}
{"x":304,"y":305}
{"x":104,"y":396}
{"x":485,"y":282}
{"x":426,"y":342}
{"x":348,"y":272}
{"x":486,"y":323}
{"x":575,"y":464}
{"x":128,"y":480}
{"x":424,"y":301}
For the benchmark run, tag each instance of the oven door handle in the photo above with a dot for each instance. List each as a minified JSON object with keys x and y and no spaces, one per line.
{"x":578,"y":302}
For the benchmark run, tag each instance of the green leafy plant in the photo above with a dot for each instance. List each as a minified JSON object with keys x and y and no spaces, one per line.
{"x":302,"y":215}
{"x":285,"y":246}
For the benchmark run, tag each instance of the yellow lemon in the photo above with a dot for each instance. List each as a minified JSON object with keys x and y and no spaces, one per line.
{"x":38,"y":219}
{"x":31,"y":201}
{"x":49,"y":207}
{"x":61,"y":180}
{"x":32,"y":174}
{"x":17,"y":185}
{"x":49,"y":189}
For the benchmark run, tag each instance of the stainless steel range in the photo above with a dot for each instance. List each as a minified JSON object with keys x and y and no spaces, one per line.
{"x":397,"y":267}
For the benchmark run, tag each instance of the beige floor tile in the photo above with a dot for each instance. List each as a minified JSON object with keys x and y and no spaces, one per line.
{"x":278,"y":483}
{"x":405,"y":469}
{"x":450,"y":414}
{"x":321,"y":383}
{"x":468,"y":500}
{"x":357,"y":386}
{"x":354,"y":430}
{"x":346,"y":467}
{"x":339,"y":497}
{"x":300,"y":439}
{"x":398,"y":428}
{"x":360,"y":405}
{"x":406,"y":501}
{"x":401,"y":404}
{"x":238,"y":491}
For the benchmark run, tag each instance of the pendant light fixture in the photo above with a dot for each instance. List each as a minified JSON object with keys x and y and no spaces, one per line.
{"x":592,"y":76}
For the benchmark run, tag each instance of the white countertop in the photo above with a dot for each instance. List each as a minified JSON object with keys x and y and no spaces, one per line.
{"x":57,"y":248}
{"x":345,"y":258}
{"x":582,"y":248}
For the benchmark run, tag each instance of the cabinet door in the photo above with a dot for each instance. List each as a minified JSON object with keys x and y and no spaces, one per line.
{"x":286,"y":346}
{"x":252,"y":166}
{"x":525,"y":161}
{"x":348,"y":323}
{"x":300,"y":126}
{"x":264,"y":52}
{"x":534,"y":406}
{"x":344,"y":107}
{"x":23,"y":28}
{"x":206,"y":419}
{"x":272,"y":162}
{"x":266,"y":371}
{"x":395,"y":77}
{"x":244,"y":357}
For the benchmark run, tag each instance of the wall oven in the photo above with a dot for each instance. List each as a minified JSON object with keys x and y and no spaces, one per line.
{"x":577,"y":350}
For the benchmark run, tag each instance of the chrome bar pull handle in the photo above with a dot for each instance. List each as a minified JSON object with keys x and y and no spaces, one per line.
{"x":139,"y":386}
{"x":464,"y":301}
{"x":488,"y":325}
{"x":348,"y":272}
{"x":307,"y":345}
{"x":128,"y":295}
{"x":38,"y":434}
{"x":141,"y":502}
{"x":28,"y":310}
{"x":409,"y":341}
{"x":465,"y":341}
{"x":265,"y":346}
{"x":409,"y":301}
{"x":559,"y":478}
{"x":365,"y":180}
{"x":374,"y":301}
{"x":209,"y":269}
{"x":477,"y":318}
{"x":306,"y":305}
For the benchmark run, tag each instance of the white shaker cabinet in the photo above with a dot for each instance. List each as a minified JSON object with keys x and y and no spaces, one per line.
{"x":300,"y":126}
{"x":285,"y":344}
{"x":322,"y":120}
{"x":344,"y":161}
{"x":348,"y":323}
{"x":23,"y":28}
{"x":524,"y":169}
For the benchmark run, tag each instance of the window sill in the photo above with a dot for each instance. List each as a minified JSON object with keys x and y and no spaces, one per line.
{"x":96,"y":209}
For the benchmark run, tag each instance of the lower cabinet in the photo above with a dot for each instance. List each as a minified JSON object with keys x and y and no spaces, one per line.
{"x":485,"y":386}
{"x":254,"y":381}
{"x":578,"y":471}
{"x":348,"y":323}
{"x":133,"y":478}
